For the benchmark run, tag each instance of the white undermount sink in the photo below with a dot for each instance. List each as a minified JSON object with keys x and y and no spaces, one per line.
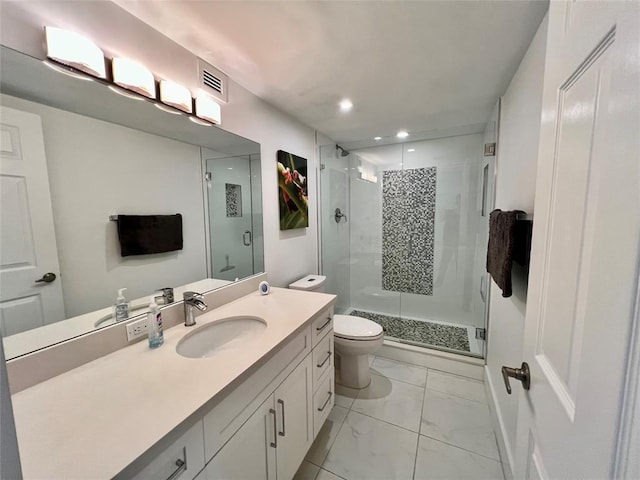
{"x":221,"y":336}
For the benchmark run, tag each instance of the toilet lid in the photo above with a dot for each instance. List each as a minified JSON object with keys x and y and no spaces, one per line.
{"x":357,"y":328}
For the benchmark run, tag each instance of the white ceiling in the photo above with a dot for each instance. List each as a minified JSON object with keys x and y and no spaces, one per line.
{"x":419,"y":66}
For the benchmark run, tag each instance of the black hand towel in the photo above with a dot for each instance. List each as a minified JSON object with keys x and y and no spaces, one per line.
{"x":145,"y":234}
{"x":502,"y":226}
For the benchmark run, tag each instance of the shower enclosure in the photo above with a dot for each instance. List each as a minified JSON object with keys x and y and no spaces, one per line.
{"x":409,"y":249}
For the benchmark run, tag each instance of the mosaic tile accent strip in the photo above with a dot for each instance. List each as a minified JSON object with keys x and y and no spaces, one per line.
{"x":408,"y":218}
{"x":419,"y":331}
{"x":233,"y":194}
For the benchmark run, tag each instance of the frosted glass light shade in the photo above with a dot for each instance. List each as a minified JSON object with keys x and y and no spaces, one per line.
{"x":133,"y":76}
{"x":176,"y":95}
{"x":208,"y":109}
{"x":74,"y":50}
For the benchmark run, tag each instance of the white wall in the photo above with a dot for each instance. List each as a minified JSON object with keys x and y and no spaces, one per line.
{"x":90,"y":163}
{"x":521,"y":108}
{"x":289,"y":254}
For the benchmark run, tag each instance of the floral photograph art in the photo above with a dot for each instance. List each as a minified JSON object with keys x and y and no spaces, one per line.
{"x":292,"y":191}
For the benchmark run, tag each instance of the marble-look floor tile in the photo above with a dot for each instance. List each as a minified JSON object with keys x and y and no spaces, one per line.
{"x":439,"y":460}
{"x":459,"y":422}
{"x":307,"y":471}
{"x":325,"y":438}
{"x":345,"y":395}
{"x":326,"y":475}
{"x":371,"y":359}
{"x":391,"y":401}
{"x":400,"y":371}
{"x":455,"y":385}
{"x":369,"y":449}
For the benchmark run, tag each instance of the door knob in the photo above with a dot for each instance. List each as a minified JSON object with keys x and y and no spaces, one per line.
{"x":47,"y":278}
{"x":521,"y":374}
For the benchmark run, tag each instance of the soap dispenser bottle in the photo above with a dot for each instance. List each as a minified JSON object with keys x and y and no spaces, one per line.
{"x":154,"y":325}
{"x":121,"y":307}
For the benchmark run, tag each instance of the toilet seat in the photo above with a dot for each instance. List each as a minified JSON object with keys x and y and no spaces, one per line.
{"x":350,"y":327}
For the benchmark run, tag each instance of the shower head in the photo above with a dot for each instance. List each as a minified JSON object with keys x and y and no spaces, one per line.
{"x":343,"y":152}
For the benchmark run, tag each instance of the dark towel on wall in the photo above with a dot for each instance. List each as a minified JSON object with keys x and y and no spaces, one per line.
{"x":145,"y":234}
{"x":502,"y":226}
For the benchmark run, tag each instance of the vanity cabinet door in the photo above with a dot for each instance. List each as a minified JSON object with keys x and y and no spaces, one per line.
{"x":293,"y":402}
{"x":251,"y":452}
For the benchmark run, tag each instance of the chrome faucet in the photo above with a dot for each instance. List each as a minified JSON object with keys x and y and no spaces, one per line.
{"x":191,"y":300}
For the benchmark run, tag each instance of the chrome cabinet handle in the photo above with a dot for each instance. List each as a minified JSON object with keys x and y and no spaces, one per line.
{"x":324,"y":405}
{"x":521,"y":374}
{"x":182,"y":466}
{"x":247,"y":243}
{"x":282,"y":433}
{"x":47,"y":278}
{"x":274,"y":444}
{"x":321,"y":364}
{"x":324,"y":324}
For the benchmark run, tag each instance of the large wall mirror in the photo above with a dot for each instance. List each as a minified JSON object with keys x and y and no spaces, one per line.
{"x":74,"y":153}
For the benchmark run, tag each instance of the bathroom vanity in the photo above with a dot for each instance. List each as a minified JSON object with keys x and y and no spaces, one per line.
{"x":246,"y":411}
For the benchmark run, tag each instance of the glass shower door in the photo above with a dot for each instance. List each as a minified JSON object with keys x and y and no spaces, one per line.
{"x":230,"y":217}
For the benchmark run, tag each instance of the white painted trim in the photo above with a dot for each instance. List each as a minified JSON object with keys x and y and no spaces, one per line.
{"x":447,"y":362}
{"x":627,"y":461}
{"x":506,"y":454}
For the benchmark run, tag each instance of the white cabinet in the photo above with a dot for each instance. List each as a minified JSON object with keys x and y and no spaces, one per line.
{"x":274,"y":440}
{"x":250,"y":453}
{"x":183,"y":459}
{"x":295,"y":421}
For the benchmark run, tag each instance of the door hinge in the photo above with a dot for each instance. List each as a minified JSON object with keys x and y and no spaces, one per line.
{"x":481,"y":333}
{"x":322,"y":166}
{"x":207,"y":176}
{"x":489,"y":149}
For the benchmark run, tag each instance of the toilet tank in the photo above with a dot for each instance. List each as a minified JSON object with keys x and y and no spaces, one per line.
{"x":310,"y":283}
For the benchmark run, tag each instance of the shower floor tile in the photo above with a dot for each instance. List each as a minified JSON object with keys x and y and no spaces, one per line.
{"x":420,"y":331}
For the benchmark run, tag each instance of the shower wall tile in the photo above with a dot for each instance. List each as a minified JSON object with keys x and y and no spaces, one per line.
{"x":408,"y":219}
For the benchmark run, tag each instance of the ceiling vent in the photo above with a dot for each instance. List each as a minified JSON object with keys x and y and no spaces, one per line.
{"x":212,"y":80}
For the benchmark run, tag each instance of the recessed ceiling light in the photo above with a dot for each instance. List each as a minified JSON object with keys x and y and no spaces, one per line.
{"x":402,"y":134}
{"x":377,"y":138}
{"x":346,"y":105}
{"x":411,"y":150}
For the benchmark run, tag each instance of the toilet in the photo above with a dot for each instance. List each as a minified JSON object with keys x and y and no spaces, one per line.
{"x":355,"y":338}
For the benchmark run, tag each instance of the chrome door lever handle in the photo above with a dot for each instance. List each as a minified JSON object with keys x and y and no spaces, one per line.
{"x":521,"y":374}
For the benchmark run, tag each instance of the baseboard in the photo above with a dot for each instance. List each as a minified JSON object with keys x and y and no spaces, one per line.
{"x":506,"y":455}
{"x":447,"y":362}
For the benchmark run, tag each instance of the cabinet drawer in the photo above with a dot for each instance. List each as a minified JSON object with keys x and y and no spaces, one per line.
{"x":322,"y":358}
{"x":323,"y":400}
{"x":321,"y":325}
{"x":183,"y":459}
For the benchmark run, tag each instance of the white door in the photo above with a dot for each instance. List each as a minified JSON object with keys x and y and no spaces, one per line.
{"x":27,"y":240}
{"x":295,"y":420}
{"x":251,"y":452}
{"x":584,"y":263}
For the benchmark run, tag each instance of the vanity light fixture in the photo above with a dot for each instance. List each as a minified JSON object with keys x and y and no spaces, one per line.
{"x":402,"y":134}
{"x":76,"y":51}
{"x":207,"y":108}
{"x":67,"y":71}
{"x":175,"y":95}
{"x":133,"y":76}
{"x":411,"y":150}
{"x":377,"y":139}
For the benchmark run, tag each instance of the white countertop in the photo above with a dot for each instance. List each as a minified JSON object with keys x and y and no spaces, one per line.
{"x":93,"y":421}
{"x":41,"y":337}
